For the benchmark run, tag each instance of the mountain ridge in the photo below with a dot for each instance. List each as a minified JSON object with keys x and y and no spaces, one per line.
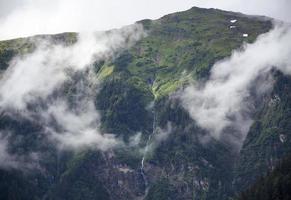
{"x":136,"y":96}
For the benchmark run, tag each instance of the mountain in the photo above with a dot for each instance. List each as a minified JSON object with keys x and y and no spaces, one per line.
{"x":268,"y":140}
{"x":276,"y":185}
{"x":137,"y":98}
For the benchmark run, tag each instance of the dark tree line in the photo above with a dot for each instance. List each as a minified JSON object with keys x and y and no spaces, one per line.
{"x":275,"y":186}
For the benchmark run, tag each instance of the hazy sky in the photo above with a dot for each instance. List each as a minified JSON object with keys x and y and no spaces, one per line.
{"x":28,"y":17}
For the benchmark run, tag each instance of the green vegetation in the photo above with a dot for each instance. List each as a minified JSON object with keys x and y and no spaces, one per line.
{"x":276,"y":185}
{"x":185,"y":45}
{"x":76,"y":183}
{"x":14,"y":186}
{"x":268,"y":139}
{"x":105,"y":71}
{"x":161,"y":190}
{"x":23,"y":46}
{"x":179,"y":48}
{"x":123,"y":107}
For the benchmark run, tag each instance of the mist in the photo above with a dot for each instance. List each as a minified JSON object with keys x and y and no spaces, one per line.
{"x":47,"y":67}
{"x":159,"y":136}
{"x":35,"y":87}
{"x":223,"y":105}
{"x":10,"y":160}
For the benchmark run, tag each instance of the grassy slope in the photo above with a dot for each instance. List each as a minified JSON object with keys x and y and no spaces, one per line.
{"x":23,"y":46}
{"x":185,"y":45}
{"x":179,"y":48}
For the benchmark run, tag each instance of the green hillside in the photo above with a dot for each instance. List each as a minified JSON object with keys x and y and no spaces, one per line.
{"x":178,"y":49}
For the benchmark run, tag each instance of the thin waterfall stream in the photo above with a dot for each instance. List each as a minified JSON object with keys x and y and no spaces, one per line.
{"x":146,"y":150}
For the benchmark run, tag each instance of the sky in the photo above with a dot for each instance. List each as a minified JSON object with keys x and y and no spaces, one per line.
{"x":19,"y":18}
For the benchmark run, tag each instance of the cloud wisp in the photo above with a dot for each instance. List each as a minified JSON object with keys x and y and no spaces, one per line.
{"x":10,"y":160}
{"x":36,"y":86}
{"x":158,"y":136}
{"x":224,"y":103}
{"x":37,"y":75}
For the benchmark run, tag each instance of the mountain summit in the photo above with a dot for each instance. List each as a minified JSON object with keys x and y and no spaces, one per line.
{"x":121,"y":114}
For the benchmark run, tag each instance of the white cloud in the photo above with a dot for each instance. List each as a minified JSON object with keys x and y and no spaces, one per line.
{"x":76,"y":130}
{"x":38,"y":74}
{"x":225,"y":100}
{"x":135,"y":139}
{"x":41,"y":75}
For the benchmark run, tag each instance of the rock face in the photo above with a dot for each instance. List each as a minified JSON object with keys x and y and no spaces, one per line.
{"x":137,"y":96}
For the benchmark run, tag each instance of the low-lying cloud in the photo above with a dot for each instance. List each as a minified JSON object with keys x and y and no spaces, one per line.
{"x":36,"y":87}
{"x":224,"y":103}
{"x":37,"y":75}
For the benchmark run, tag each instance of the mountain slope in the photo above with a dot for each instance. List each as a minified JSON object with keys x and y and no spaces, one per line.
{"x":276,"y":185}
{"x":137,"y":96}
{"x":268,"y":140}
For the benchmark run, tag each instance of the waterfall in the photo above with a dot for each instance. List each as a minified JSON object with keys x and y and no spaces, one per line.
{"x":146,"y":150}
